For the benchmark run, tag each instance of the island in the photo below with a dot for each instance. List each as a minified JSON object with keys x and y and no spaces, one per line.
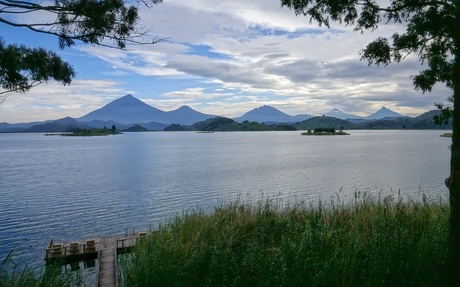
{"x":93,"y":132}
{"x":324,"y":132}
{"x":446,"y":135}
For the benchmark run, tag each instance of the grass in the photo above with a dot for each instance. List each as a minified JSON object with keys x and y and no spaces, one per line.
{"x":53,"y":276}
{"x":368,"y":242}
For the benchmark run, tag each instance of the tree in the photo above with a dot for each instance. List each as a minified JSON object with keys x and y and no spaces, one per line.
{"x":433,"y":35}
{"x":22,"y":68}
{"x":109,"y":23}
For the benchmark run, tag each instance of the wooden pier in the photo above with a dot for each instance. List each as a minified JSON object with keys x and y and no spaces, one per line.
{"x":105,"y":249}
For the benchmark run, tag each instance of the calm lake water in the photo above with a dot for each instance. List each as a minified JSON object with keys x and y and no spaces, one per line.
{"x":75,"y":188}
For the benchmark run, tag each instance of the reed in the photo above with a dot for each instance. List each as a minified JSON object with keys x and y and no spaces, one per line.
{"x":370,"y":241}
{"x":12,"y":275}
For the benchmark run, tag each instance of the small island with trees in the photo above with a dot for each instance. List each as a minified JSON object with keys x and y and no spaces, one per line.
{"x":94,"y":132}
{"x":324,"y":132}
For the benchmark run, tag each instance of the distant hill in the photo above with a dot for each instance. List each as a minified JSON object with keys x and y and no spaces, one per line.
{"x":383,"y":113}
{"x":136,"y":128}
{"x":13,"y":128}
{"x":424,"y":121}
{"x":153,"y":126}
{"x":268,"y":114}
{"x":324,"y":122}
{"x":61,"y":125}
{"x":220,"y":124}
{"x":336,"y":113}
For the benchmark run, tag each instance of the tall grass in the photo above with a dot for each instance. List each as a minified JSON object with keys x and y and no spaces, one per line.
{"x":368,"y":242}
{"x":12,"y":275}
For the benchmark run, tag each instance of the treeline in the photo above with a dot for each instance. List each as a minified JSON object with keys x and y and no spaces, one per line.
{"x":93,"y":132}
{"x":324,"y":130}
{"x":219,"y":124}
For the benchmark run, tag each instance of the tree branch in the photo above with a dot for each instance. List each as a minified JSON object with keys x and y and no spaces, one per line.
{"x":401,"y":8}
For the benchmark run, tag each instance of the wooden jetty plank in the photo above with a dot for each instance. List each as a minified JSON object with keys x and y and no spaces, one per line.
{"x":107,"y":276}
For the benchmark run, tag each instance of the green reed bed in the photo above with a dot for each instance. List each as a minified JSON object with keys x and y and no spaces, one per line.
{"x":369,"y":242}
{"x":12,"y":275}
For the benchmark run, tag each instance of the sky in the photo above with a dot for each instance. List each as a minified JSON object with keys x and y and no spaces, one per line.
{"x":225,"y":58}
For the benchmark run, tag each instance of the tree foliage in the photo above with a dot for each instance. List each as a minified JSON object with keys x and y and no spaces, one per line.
{"x":430,"y":31}
{"x":433,"y":35}
{"x":22,"y":68}
{"x":109,"y":23}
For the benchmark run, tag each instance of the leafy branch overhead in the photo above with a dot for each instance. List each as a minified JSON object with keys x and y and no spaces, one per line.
{"x":108,"y":23}
{"x":432,"y":33}
{"x":22,"y":68}
{"x":88,"y":21}
{"x":429,"y":34}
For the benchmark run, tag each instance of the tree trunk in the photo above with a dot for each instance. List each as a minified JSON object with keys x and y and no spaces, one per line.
{"x":453,"y":182}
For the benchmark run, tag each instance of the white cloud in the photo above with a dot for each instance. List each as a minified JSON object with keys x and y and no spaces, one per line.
{"x":53,"y":100}
{"x":252,"y":53}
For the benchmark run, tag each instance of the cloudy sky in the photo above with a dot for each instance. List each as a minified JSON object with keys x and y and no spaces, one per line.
{"x":225,"y":58}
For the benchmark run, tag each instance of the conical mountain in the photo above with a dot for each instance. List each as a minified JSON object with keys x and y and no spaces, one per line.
{"x":266,"y":114}
{"x":336,"y":113}
{"x":127,"y":109}
{"x":185,"y":115}
{"x":383,"y":113}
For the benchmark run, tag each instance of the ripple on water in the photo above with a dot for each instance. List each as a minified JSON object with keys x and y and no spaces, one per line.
{"x":74,"y":188}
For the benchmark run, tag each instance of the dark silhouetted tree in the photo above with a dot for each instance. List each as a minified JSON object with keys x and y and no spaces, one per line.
{"x":433,"y":35}
{"x":110,"y":23}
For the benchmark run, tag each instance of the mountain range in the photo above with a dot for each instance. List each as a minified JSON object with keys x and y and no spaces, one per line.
{"x":127,"y":111}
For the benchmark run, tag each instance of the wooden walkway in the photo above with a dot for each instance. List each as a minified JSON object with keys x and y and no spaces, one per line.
{"x":107,"y":273}
{"x":105,"y":249}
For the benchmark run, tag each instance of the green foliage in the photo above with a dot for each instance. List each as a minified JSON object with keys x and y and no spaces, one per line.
{"x":324,"y":130}
{"x":13,"y":276}
{"x":370,"y":242}
{"x":431,"y":33}
{"x":136,"y":128}
{"x":446,"y":135}
{"x":324,"y":122}
{"x":447,"y":113}
{"x":89,"y":21}
{"x":213,"y":124}
{"x":22,"y":68}
{"x":226,"y":124}
{"x":93,"y":132}
{"x":178,"y":127}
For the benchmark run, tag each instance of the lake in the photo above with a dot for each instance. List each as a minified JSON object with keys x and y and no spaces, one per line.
{"x":75,"y":188}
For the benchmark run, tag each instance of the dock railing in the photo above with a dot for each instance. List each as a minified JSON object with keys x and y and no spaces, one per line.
{"x":60,"y":250}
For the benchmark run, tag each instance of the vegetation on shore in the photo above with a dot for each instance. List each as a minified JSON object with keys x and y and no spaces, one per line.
{"x":369,"y":242}
{"x":94,"y":132}
{"x":446,"y":135}
{"x":324,"y":132}
{"x":53,"y":276}
{"x":226,"y":124}
{"x":220,"y":124}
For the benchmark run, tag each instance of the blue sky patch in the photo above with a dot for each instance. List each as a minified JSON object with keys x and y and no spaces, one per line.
{"x":205,"y":50}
